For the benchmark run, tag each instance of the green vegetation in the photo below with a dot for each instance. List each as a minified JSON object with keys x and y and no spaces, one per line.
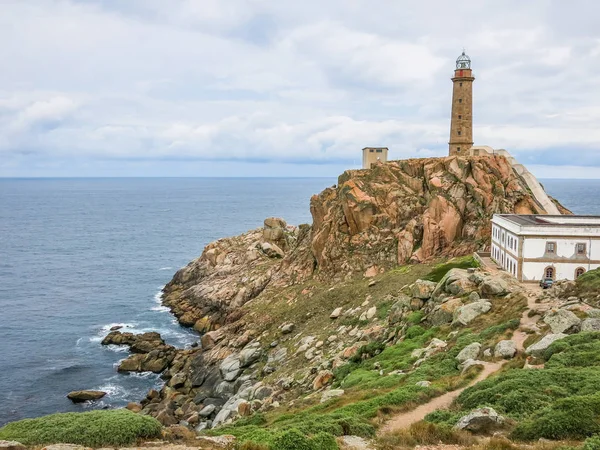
{"x":91,"y":429}
{"x":559,"y":402}
{"x":442,"y":269}
{"x":587,"y":286}
{"x":368,"y":394}
{"x":589,"y":281}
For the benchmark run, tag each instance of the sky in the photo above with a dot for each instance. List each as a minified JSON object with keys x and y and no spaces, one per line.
{"x":290,"y":88}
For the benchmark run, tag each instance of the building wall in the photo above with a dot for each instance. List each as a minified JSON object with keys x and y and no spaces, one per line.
{"x":505,"y":249}
{"x":372,"y":155}
{"x":565,"y":258}
{"x":526,"y":255}
{"x":462,"y":113}
{"x":534,"y":271}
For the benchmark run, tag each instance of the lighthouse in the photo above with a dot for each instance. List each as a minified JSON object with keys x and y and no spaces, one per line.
{"x":461,"y":123}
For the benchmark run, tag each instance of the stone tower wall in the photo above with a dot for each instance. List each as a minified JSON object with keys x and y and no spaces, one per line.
{"x":461,"y":125}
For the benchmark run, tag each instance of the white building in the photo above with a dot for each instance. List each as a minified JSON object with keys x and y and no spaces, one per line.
{"x":532,"y":247}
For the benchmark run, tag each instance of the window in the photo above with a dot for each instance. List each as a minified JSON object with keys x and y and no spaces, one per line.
{"x":457,"y":149}
{"x":460,"y":84}
{"x":460,"y":116}
{"x":459,"y":133}
{"x":580,"y":249}
{"x":579,"y":271}
{"x":549,"y":272}
{"x":460,"y":100}
{"x":371,"y":151}
{"x":550,"y":247}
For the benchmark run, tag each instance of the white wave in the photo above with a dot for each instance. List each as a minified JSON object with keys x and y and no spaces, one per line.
{"x":117,"y":348}
{"x":160,"y":308}
{"x":166,"y":268}
{"x":113,"y":390}
{"x":144,"y":375}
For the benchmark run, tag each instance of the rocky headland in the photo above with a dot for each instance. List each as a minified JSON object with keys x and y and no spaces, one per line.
{"x":345,"y":326}
{"x":242,"y":293}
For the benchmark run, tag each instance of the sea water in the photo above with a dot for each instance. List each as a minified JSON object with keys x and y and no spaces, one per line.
{"x":79,"y":256}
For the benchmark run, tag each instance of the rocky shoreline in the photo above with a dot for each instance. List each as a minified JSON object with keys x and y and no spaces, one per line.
{"x":252,"y":357}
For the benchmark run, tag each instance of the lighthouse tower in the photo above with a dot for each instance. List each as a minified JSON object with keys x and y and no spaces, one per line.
{"x":461,"y":125}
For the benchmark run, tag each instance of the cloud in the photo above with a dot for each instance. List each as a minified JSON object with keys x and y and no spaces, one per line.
{"x":307,"y":84}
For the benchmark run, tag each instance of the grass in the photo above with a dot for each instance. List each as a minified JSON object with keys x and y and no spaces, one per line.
{"x":588,"y":285}
{"x":424,"y":433}
{"x":559,"y":402}
{"x":91,"y":429}
{"x":442,"y":269}
{"x":370,"y":396}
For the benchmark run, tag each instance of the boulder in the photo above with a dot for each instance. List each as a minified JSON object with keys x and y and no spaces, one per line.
{"x":335,"y":313}
{"x":540,"y":347}
{"x":466,"y":365}
{"x":505,"y":349}
{"x":480,"y":420}
{"x":471,"y":351}
{"x":250,"y":354}
{"x":323,"y":378}
{"x":371,"y":312}
{"x":274,"y":231}
{"x":331,"y":393}
{"x":399,"y":309}
{"x":11,"y":445}
{"x":562,"y":321}
{"x":287,"y":328}
{"x":135,"y":407}
{"x":272,"y":250}
{"x":230,"y":368}
{"x":591,"y":324}
{"x":493,"y":286}
{"x":422,"y":289}
{"x":207,"y":410}
{"x":84,"y":396}
{"x":423,"y":383}
{"x":444,"y":313}
{"x":467,"y":313}
{"x":474,"y":297}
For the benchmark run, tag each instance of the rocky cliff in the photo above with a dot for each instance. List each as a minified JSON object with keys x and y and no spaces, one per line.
{"x":267,"y":301}
{"x":405,"y":211}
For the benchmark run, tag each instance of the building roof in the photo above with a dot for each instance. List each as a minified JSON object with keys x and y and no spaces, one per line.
{"x":551,"y":220}
{"x":375,"y":148}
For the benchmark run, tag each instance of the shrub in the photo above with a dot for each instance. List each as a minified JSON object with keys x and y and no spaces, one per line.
{"x":441,"y":270}
{"x":521,"y":393}
{"x":592,"y":443}
{"x":91,"y":429}
{"x":569,"y":418}
{"x":443,"y":417}
{"x":325,"y":441}
{"x":414,"y":331}
{"x":368,"y":351}
{"x":291,"y":439}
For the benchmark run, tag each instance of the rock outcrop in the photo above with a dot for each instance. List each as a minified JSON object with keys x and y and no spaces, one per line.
{"x":480,"y":420}
{"x":84,"y":396}
{"x":403,"y":211}
{"x":400,"y":212}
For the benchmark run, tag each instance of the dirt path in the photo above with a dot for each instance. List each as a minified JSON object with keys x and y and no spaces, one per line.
{"x":406,"y":419}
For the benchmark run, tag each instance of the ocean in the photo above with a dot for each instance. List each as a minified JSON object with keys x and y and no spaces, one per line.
{"x":78,"y":256}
